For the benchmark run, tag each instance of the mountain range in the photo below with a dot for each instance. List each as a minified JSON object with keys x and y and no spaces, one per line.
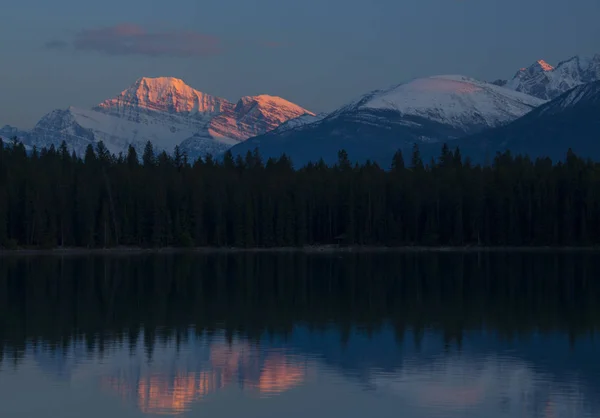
{"x":166,"y":112}
{"x":541,"y":110}
{"x":572,"y":120}
{"x":547,"y":82}
{"x":426,"y":110}
{"x":479,"y":117}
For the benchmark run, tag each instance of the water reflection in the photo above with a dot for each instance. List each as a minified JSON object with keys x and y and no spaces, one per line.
{"x":414,"y":336}
{"x":471,"y":381}
{"x":175,"y":378}
{"x":280,"y":374}
{"x":455,"y":384}
{"x":161,"y":394}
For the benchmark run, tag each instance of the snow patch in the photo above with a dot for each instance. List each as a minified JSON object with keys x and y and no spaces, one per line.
{"x":300,"y":121}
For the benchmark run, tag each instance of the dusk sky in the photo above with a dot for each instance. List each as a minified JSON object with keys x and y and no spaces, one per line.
{"x":316,"y":53}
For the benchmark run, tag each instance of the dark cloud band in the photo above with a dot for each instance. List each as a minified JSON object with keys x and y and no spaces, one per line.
{"x":130,"y":39}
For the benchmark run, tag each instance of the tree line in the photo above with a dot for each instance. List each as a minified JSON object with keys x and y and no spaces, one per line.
{"x":53,"y":198}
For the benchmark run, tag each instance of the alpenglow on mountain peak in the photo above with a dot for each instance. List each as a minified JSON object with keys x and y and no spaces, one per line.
{"x":546,"y":82}
{"x":539,"y":65}
{"x":274,"y":105}
{"x":255,"y":115}
{"x":537,"y":69}
{"x":167,"y":112}
{"x":164,"y":94}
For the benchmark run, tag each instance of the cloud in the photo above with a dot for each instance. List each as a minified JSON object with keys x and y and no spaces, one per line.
{"x":131,"y":39}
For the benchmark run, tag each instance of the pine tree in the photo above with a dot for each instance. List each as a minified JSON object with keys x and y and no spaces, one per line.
{"x":148,"y":158}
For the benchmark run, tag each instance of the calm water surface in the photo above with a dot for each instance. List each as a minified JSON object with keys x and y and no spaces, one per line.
{"x":291,"y":335}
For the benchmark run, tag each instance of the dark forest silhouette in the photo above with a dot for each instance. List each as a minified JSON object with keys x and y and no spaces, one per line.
{"x":52,"y":198}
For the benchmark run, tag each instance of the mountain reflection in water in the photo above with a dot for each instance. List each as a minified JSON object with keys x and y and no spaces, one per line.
{"x":185,"y":377}
{"x":434,"y":379}
{"x":442,"y":335}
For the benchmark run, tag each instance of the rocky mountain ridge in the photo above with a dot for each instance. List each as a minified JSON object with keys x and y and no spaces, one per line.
{"x":546,"y":82}
{"x":425,"y":110}
{"x":169,"y":113}
{"x":166,"y":112}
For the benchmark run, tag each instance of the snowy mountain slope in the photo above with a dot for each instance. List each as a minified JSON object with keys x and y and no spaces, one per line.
{"x":58,"y":126}
{"x":453,"y":100}
{"x":199,"y":146}
{"x":168,"y":113}
{"x":299,"y":121}
{"x":7,"y":133}
{"x":251,"y":116}
{"x":569,"y":121}
{"x":254,"y":115}
{"x":80,"y":127}
{"x":426,"y":110}
{"x":546,"y":82}
{"x":577,"y":99}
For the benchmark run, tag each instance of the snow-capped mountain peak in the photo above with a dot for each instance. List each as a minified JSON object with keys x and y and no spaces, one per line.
{"x":544,"y":65}
{"x":266,"y":99}
{"x":581,"y":69}
{"x":278,"y":108}
{"x":9,"y":132}
{"x":454,"y":100}
{"x":163,"y":94}
{"x":535,"y":71}
{"x":547,"y":82}
{"x":168,"y":113}
{"x":537,"y":67}
{"x":255,"y":115}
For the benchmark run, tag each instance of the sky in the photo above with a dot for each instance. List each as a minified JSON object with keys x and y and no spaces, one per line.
{"x":316,"y":53}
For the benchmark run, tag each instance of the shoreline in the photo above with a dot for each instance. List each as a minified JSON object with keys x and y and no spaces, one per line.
{"x":317,"y":249}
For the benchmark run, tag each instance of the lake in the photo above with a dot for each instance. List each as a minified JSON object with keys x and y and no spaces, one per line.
{"x":498,"y":334}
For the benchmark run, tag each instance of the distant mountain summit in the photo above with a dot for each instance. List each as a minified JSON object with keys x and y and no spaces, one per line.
{"x":255,"y":115}
{"x":168,"y":113}
{"x":162,"y":94}
{"x":424,"y":110}
{"x":454,"y":100}
{"x":7,"y":133}
{"x":547,"y":82}
{"x":569,"y":121}
{"x":251,"y":116}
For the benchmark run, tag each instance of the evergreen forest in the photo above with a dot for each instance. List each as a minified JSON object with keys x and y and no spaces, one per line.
{"x":52,"y":198}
